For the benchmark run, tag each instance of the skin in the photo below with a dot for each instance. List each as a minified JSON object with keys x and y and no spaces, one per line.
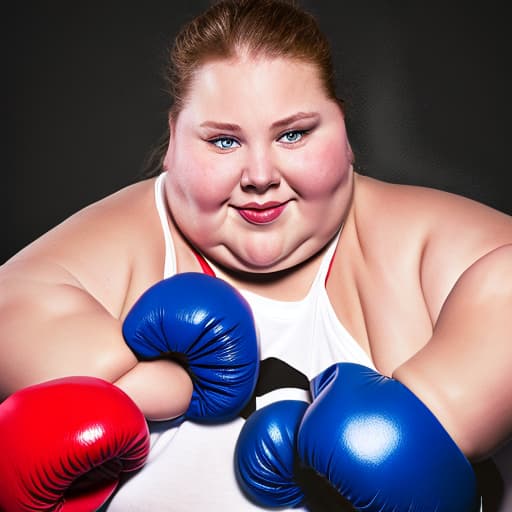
{"x":421,"y":278}
{"x":304,"y":164}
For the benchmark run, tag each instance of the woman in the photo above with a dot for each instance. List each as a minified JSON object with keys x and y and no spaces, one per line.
{"x":259,"y":188}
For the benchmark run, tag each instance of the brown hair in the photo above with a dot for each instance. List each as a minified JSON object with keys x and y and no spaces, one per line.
{"x":271,"y":28}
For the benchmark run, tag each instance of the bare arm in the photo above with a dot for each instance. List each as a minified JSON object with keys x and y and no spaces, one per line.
{"x":63,"y":298}
{"x":51,"y":330}
{"x":463,"y":373}
{"x":50,"y":327}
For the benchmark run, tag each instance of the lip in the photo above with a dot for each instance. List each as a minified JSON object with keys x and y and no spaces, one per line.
{"x":265,"y":213}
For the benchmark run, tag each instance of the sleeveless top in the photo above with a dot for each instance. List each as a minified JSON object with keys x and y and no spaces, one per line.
{"x":190,"y":466}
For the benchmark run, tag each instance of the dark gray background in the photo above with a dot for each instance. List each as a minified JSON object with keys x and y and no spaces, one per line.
{"x":427,"y":87}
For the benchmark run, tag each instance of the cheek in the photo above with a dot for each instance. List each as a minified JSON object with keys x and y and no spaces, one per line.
{"x":200,"y":182}
{"x":323,"y":170}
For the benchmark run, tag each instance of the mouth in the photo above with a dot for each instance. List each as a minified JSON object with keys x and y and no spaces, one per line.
{"x":261,"y":213}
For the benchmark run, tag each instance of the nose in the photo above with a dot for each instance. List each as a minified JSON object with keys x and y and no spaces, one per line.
{"x":260,"y":173}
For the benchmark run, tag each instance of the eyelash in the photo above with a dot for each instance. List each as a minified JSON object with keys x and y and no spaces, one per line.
{"x":219,"y":140}
{"x":301,"y":133}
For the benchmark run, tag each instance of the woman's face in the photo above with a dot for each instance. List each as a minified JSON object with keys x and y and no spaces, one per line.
{"x":259,"y":166}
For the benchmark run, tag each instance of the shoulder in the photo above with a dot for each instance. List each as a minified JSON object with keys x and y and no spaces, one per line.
{"x":445,"y":232}
{"x":100,"y":247}
{"x":121,"y":215}
{"x":435,"y":212}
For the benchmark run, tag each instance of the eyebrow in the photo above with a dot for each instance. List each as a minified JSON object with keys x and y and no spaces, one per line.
{"x":230,"y":127}
{"x":299,"y":116}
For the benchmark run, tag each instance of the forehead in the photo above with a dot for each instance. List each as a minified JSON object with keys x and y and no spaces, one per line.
{"x":256,"y":85}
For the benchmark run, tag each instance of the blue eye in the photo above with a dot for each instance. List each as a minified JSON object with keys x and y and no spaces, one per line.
{"x":292,"y":136}
{"x":225,"y":143}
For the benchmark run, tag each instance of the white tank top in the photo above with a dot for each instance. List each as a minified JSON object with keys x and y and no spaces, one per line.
{"x":306,"y":333}
{"x":190,"y":466}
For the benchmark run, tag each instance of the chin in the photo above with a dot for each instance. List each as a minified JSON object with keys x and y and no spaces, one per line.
{"x":260,"y":260}
{"x":262,"y":267}
{"x":268,"y":265}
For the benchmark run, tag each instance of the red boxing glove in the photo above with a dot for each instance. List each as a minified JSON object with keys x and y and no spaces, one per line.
{"x":65,"y":443}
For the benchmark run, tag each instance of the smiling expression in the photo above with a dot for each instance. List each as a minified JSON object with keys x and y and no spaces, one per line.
{"x":259,"y":165}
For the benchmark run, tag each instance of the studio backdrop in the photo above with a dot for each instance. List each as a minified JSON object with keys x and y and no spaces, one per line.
{"x":426,"y":87}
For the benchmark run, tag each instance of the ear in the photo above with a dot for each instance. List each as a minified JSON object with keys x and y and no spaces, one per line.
{"x":348,"y":147}
{"x":166,"y":162}
{"x":350,"y":153}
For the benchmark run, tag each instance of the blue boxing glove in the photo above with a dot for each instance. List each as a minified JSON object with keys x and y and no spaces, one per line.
{"x":206,"y":325}
{"x":266,"y":457}
{"x":380,"y":447}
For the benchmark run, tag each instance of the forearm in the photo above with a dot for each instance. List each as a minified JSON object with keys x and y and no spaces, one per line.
{"x":85,"y":342}
{"x":63,"y":333}
{"x":162,"y":389}
{"x":463,"y":373}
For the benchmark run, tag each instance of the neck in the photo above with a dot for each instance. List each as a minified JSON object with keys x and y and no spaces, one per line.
{"x":289,"y":284}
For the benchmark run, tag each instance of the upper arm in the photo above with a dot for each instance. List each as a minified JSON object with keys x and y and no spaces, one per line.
{"x":50,"y":327}
{"x":63,"y":297}
{"x":463,"y":372}
{"x":461,"y":231}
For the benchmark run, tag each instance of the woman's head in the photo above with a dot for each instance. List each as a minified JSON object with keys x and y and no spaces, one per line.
{"x":234,"y":28}
{"x":259,"y":165}
{"x":255,"y":28}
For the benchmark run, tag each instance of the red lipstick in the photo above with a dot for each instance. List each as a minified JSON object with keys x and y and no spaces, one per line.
{"x":261,"y":213}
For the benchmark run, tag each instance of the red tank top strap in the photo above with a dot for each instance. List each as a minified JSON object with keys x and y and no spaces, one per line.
{"x":204,"y":264}
{"x":330,"y":266}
